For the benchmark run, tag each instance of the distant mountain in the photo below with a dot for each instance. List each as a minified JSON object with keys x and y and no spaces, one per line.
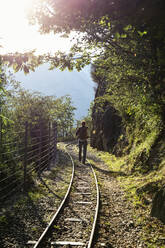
{"x":78,"y":85}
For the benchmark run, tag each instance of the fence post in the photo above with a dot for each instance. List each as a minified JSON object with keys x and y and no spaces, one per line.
{"x":40,"y":146}
{"x":49,"y":157}
{"x":55,"y":141}
{"x":0,"y":133}
{"x":25,"y":154}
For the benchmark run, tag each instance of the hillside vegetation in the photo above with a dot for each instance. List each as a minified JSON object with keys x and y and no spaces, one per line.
{"x":124,"y":41}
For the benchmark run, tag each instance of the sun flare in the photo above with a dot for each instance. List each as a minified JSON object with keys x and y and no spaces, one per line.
{"x":16,"y":34}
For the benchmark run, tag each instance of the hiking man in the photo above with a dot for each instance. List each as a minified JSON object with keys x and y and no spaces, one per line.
{"x":82,"y":135}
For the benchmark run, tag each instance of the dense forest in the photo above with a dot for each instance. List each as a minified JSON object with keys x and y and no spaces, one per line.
{"x":124,"y":42}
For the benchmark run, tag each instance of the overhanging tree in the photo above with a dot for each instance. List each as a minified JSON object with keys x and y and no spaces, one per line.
{"x":124,"y":38}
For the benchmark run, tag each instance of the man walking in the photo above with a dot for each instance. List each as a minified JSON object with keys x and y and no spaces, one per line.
{"x":82,"y":135}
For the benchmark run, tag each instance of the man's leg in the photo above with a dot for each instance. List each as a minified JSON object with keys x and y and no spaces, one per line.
{"x":84,"y":151}
{"x":80,"y":150}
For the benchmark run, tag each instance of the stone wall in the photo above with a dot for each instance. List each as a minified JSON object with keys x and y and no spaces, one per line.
{"x":158,"y":205}
{"x":107,"y":124}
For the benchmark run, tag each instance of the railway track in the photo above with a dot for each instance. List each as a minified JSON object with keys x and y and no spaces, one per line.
{"x":74,"y":223}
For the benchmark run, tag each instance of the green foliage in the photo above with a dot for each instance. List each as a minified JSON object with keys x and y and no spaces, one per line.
{"x":3,"y":220}
{"x":34,"y":196}
{"x":23,"y":105}
{"x":125,"y":42}
{"x":87,"y":119}
{"x":63,"y":114}
{"x":139,"y":189}
{"x":23,"y":109}
{"x":99,"y":26}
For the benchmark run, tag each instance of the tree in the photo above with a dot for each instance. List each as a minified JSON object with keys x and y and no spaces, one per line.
{"x":105,"y":25}
{"x":64,"y":115}
{"x":123,"y":39}
{"x":125,"y":42}
{"x":23,"y":105}
{"x":104,"y":22}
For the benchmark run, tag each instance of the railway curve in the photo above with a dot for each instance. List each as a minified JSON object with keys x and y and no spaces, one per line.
{"x":74,"y":223}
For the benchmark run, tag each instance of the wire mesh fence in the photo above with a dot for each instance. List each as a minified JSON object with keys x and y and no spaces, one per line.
{"x":24,"y":152}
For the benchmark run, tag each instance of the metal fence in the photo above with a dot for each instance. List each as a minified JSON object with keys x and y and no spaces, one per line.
{"x":29,"y":150}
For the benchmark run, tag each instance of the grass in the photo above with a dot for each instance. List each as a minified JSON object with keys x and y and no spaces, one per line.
{"x":34,"y":196}
{"x":3,"y":220}
{"x":140,"y":185}
{"x":132,"y":181}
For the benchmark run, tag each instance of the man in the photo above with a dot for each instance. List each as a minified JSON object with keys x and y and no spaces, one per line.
{"x":82,"y":136}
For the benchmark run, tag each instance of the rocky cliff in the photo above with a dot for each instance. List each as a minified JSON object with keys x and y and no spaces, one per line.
{"x":107,"y":124}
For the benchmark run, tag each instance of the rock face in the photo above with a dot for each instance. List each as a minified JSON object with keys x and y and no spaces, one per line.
{"x":106,"y":123}
{"x":158,"y":206}
{"x":106,"y":129}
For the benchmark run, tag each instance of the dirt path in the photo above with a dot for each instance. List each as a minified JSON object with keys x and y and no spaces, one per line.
{"x":116,"y":227}
{"x":122,"y":222}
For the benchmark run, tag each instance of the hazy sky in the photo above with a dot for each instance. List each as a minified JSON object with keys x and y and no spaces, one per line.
{"x":77,"y":84}
{"x":17,"y":35}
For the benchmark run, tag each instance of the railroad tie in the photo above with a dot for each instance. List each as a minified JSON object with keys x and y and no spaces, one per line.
{"x":83,"y":187}
{"x":75,"y":220}
{"x":83,"y":176}
{"x":68,"y":243}
{"x":82,"y":193}
{"x":83,"y":202}
{"x":83,"y":183}
{"x":31,"y":242}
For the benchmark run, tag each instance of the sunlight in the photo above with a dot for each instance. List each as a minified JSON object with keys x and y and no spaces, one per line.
{"x":17,"y":35}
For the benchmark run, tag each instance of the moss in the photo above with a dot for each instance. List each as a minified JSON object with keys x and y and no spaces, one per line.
{"x":34,"y":196}
{"x":140,"y":185}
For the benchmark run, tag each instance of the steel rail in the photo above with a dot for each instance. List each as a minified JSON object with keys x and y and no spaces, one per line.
{"x":60,"y":207}
{"x":96,"y":210}
{"x":97,"y":205}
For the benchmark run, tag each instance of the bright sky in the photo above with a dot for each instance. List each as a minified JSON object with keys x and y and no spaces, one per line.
{"x":17,"y":35}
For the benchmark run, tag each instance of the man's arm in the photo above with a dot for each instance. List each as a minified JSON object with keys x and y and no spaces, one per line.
{"x":77,"y":132}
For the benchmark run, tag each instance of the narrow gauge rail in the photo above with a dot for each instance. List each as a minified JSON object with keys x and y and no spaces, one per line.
{"x":74,"y":222}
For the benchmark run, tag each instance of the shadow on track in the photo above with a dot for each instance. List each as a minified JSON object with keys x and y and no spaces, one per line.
{"x":50,"y":191}
{"x":109,"y":172}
